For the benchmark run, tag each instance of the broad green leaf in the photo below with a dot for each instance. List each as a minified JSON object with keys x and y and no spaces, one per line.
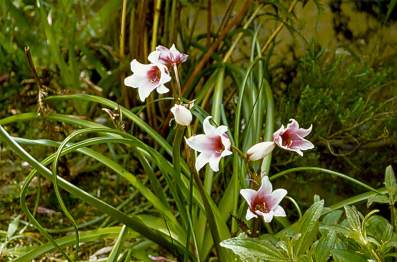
{"x":379,"y":228}
{"x":353,"y":218}
{"x":332,"y":218}
{"x":255,"y":249}
{"x":348,"y":255}
{"x":338,"y":229}
{"x":324,"y":246}
{"x":308,"y":227}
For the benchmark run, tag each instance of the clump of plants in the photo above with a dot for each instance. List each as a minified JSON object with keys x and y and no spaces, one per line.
{"x":185,"y":144}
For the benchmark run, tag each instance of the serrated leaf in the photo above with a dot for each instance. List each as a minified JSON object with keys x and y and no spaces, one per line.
{"x":12,"y":227}
{"x":255,"y":249}
{"x":353,"y":218}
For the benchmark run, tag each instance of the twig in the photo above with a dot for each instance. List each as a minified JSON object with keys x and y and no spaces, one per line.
{"x":215,"y":45}
{"x":124,"y":91}
{"x":41,"y":91}
{"x":209,"y":22}
{"x":32,"y":67}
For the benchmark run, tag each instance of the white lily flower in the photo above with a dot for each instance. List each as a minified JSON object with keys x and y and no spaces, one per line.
{"x":260,"y":150}
{"x":168,"y":57}
{"x":265,"y":202}
{"x":292,"y":137}
{"x":148,"y":77}
{"x":182,"y":115}
{"x":212,"y":145}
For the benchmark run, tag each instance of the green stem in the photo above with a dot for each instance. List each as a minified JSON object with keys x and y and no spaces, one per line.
{"x":354,"y":200}
{"x":269,"y":125}
{"x":210,"y":216}
{"x":322,"y":170}
{"x":178,"y":83}
{"x":239,"y":152}
{"x":296,"y":205}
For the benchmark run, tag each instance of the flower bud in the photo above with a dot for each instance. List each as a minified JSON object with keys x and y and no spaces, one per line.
{"x":182,"y":115}
{"x":260,"y":150}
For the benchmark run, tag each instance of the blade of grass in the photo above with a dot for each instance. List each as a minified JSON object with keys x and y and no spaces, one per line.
{"x":113,"y":257}
{"x":87,"y":236}
{"x":134,"y":118}
{"x":321,"y":170}
{"x":116,"y":167}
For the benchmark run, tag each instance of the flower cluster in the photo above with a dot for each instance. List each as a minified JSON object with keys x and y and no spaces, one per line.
{"x":291,"y":138}
{"x":154,"y":76}
{"x":215,"y":144}
{"x":265,"y":202}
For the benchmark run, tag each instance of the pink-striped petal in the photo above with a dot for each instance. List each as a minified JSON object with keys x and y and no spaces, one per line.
{"x":250,"y":214}
{"x":302,"y":144}
{"x":276,"y":197}
{"x":201,"y":143}
{"x":279,"y":212}
{"x":209,"y":129}
{"x":201,"y":160}
{"x":225,"y":141}
{"x":214,"y":162}
{"x":266,"y":187}
{"x":249,"y":196}
{"x":304,"y":132}
{"x":267,"y":217}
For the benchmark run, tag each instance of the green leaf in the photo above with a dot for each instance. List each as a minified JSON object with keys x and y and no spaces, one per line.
{"x":255,"y":249}
{"x":308,"y":227}
{"x":378,"y":198}
{"x":12,"y":227}
{"x":86,"y":236}
{"x":338,"y":229}
{"x":324,"y":246}
{"x":353,"y":218}
{"x":390,"y":8}
{"x":390,"y":181}
{"x":118,"y":245}
{"x":379,"y":228}
{"x":347,"y":255}
{"x":132,"y":221}
{"x":332,"y":218}
{"x":127,"y":113}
